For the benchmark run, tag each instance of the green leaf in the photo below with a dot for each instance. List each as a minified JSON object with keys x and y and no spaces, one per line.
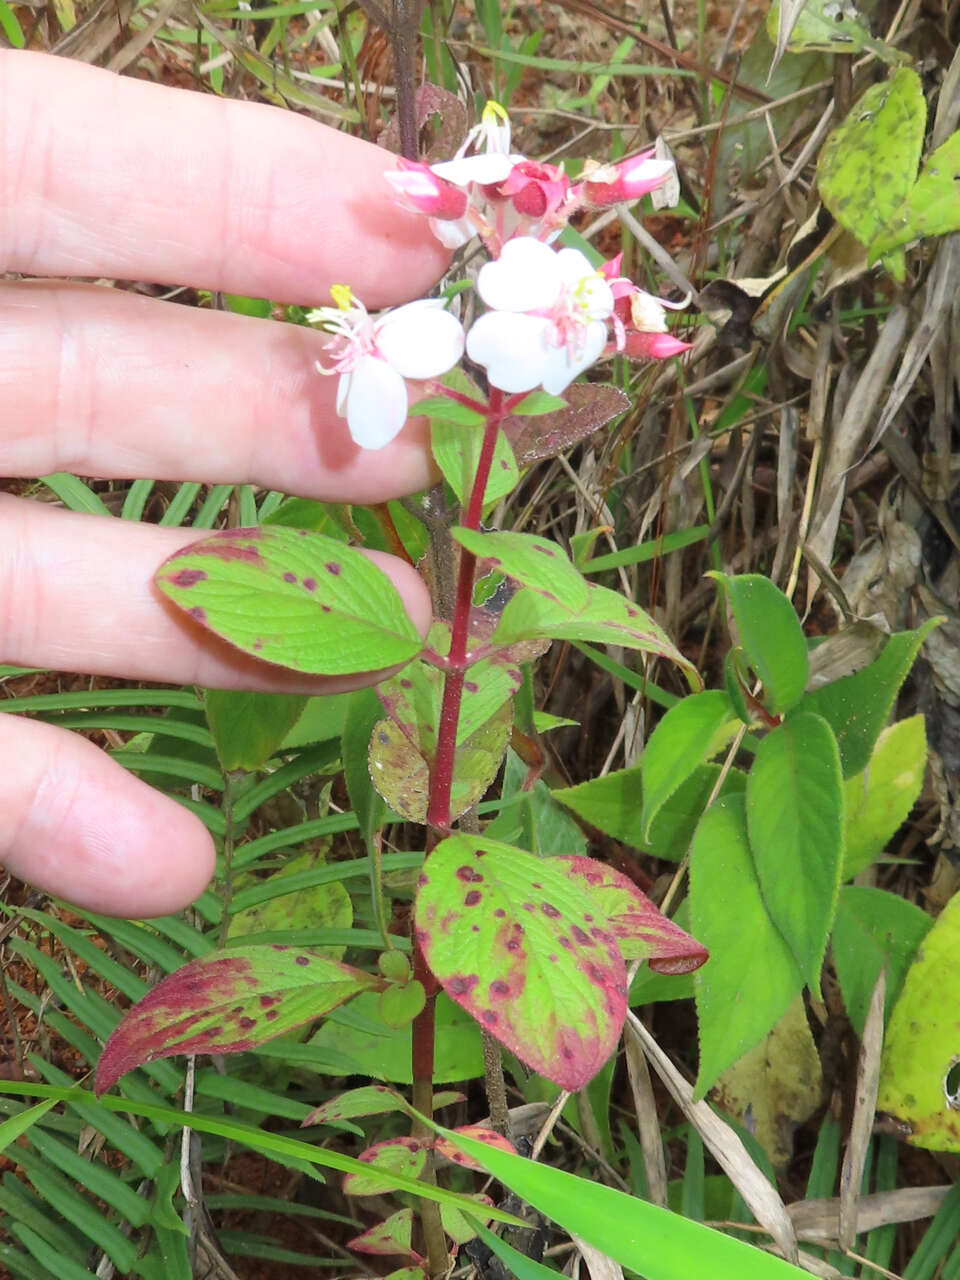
{"x":363,"y":714}
{"x":387,"y":1238}
{"x":371,"y":1100}
{"x":400,"y":1005}
{"x":538,"y":403}
{"x":930,"y":207}
{"x":873,"y":928}
{"x":443,"y":408}
{"x":795,"y":821}
{"x":358,"y":1036}
{"x":259,"y":1139}
{"x":869,"y":162}
{"x":878,"y":800}
{"x":642,"y":1237}
{"x":856,"y":707}
{"x":614,"y":803}
{"x":456,"y":449}
{"x":771,"y":636}
{"x":606,"y":618}
{"x":751,"y":976}
{"x":535,"y":562}
{"x":532,"y":818}
{"x":319,"y":906}
{"x":922,"y":1048}
{"x":516,"y":1263}
{"x":515,"y":941}
{"x":11,"y":27}
{"x":688,"y":734}
{"x":642,"y":931}
{"x":820,"y":26}
{"x":228,"y":1002}
{"x":406,"y":1156}
{"x":12,"y":1129}
{"x":248,"y":728}
{"x":292,"y":597}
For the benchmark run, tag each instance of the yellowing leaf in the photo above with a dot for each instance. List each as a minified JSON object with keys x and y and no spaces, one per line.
{"x":922,"y":1050}
{"x":879,"y":799}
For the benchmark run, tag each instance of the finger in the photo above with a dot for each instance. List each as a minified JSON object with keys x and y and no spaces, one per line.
{"x":101,"y":175}
{"x":75,"y":824}
{"x":99,"y":382}
{"x":77,"y":594}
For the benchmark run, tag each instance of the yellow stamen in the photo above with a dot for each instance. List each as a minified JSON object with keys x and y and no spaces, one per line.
{"x":493,"y":112}
{"x":342,"y":295}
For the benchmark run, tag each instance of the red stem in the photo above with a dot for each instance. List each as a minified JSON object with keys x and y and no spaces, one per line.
{"x":441,"y":776}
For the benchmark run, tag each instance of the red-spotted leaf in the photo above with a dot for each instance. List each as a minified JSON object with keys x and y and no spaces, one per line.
{"x":392,"y":1236}
{"x":228,"y":1002}
{"x":456,"y":1225}
{"x":444,"y":1147}
{"x":643,"y":932}
{"x":536,"y":562}
{"x":406,"y":1156}
{"x":515,"y":942}
{"x":372,"y":1100}
{"x":292,"y":597}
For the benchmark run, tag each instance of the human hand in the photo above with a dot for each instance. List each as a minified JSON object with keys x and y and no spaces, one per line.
{"x":112,"y":178}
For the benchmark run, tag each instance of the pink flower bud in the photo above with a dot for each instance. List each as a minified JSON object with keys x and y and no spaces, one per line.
{"x":424,"y":191}
{"x":535,"y":189}
{"x":626,"y":181}
{"x":652,"y":346}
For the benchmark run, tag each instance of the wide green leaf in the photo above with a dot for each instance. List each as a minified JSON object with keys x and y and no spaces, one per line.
{"x":795,"y":822}
{"x":614,"y":804}
{"x":318,"y":906}
{"x":829,"y":26}
{"x":642,"y":1237}
{"x":873,"y":928}
{"x":869,"y":162}
{"x":930,"y":207}
{"x":879,"y":799}
{"x":751,"y":976}
{"x":228,"y":1002}
{"x":248,"y":728}
{"x":856,"y":707}
{"x":292,"y":597}
{"x":771,"y":637}
{"x":689,"y":733}
{"x":518,"y":943}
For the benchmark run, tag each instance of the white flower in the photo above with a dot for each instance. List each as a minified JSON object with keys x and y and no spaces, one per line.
{"x":374,"y":354}
{"x":547,"y":320}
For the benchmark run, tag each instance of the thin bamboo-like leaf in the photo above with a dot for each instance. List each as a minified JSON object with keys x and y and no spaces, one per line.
{"x":12,"y":1129}
{"x":174,"y":766}
{"x":136,"y":499}
{"x":280,"y":885}
{"x":258,"y":1139}
{"x":106,"y":698}
{"x":56,"y":1265}
{"x":183,"y":500}
{"x":94,"y":1177}
{"x":289,"y":837}
{"x":73,"y":493}
{"x":19,"y":1204}
{"x":159,"y":725}
{"x":315,"y":760}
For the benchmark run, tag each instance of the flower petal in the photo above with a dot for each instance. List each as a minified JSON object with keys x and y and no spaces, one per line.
{"x":483,"y":169}
{"x":525,"y":277}
{"x":376,"y":403}
{"x":562,"y":368}
{"x":514,"y":349}
{"x":421,"y":339}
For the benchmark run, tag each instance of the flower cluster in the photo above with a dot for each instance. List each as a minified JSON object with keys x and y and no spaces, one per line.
{"x":549,"y":313}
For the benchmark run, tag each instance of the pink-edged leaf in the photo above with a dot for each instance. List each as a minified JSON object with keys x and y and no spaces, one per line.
{"x":643,"y":932}
{"x":392,"y":1236}
{"x":372,"y":1100}
{"x":292,"y":597}
{"x":406,"y":1156}
{"x":456,"y":1225}
{"x":228,"y":1002}
{"x":444,"y":1147}
{"x":514,"y":941}
{"x":590,"y":407}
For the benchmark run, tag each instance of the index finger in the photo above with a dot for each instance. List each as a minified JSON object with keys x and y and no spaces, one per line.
{"x":105,"y":176}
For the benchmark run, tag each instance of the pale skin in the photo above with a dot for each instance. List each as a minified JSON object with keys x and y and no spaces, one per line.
{"x":105,"y":177}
